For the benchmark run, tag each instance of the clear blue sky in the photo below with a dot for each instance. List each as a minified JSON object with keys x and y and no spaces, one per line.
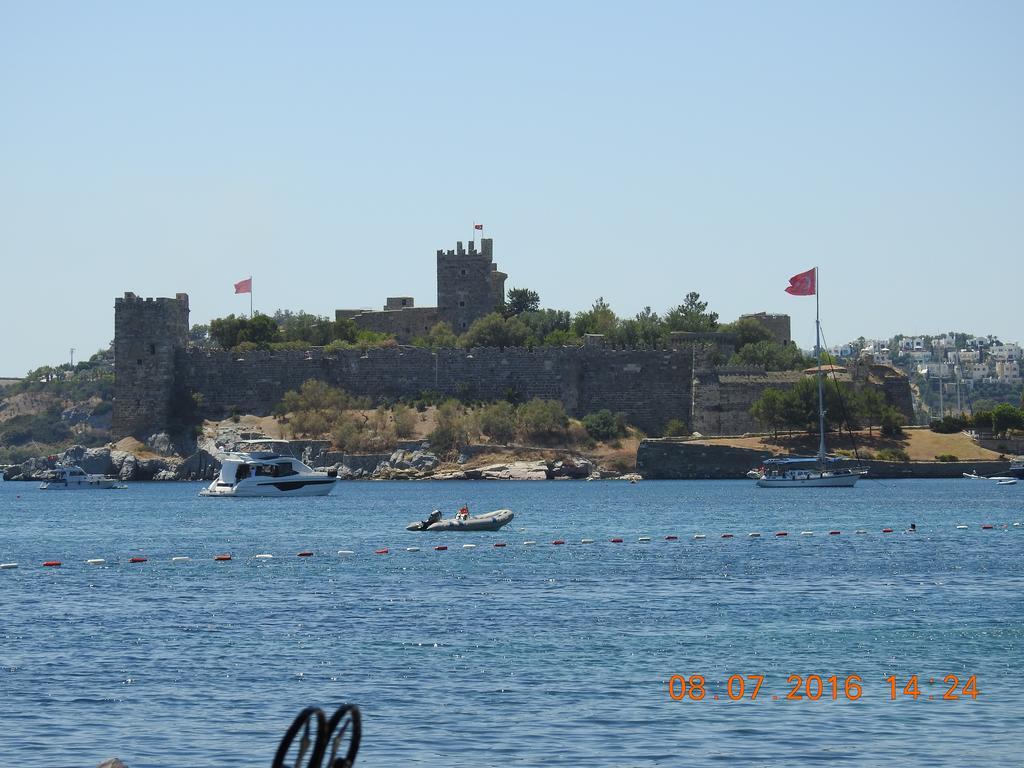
{"x":635,"y":151}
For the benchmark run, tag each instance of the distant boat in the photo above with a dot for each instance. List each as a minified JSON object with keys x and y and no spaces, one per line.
{"x":821,"y":471}
{"x":1016,"y":468}
{"x":64,"y":478}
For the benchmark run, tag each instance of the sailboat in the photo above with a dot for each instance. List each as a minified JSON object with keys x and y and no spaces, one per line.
{"x":822,"y":470}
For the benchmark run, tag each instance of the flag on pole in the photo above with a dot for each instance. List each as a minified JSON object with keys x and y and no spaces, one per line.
{"x":803,"y":284}
{"x":244,"y":286}
{"x":478,"y":226}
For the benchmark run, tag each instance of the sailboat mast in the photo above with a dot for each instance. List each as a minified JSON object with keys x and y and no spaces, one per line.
{"x":821,"y":388}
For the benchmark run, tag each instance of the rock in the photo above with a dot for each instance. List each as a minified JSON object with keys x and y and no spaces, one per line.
{"x":93,"y":461}
{"x":166,"y":474}
{"x":129,"y":466}
{"x":575,"y":467}
{"x":161,"y":444}
{"x":633,"y":477}
{"x":517,"y":470}
{"x":201,"y":465}
{"x":453,"y":475}
{"x":417,"y":459}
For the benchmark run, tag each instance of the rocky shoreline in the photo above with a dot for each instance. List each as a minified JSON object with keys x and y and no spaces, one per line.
{"x":412,"y":462}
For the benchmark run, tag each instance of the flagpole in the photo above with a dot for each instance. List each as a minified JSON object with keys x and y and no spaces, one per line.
{"x":250,"y":297}
{"x":817,"y":346}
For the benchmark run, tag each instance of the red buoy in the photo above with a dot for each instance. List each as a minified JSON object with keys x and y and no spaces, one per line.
{"x":440,"y":548}
{"x":986,"y":527}
{"x":305,"y":553}
{"x":222,"y":557}
{"x":833,"y":533}
{"x":670,"y":537}
{"x":782,"y":533}
{"x":726,"y":535}
{"x":558,"y":541}
{"x":136,"y":559}
{"x":616,"y":541}
{"x":381,"y":551}
{"x":499,"y":543}
{"x":887,"y":530}
{"x":52,"y":564}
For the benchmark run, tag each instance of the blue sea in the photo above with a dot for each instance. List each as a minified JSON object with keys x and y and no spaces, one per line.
{"x":523,"y":655}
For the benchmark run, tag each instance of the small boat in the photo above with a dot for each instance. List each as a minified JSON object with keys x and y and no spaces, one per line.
{"x":64,"y":478}
{"x":1004,"y":480}
{"x":1016,"y":468}
{"x":974,"y":476}
{"x":266,"y":473}
{"x":488,"y":521}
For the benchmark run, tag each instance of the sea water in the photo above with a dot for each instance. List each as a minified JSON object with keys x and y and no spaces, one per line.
{"x":544,"y":654}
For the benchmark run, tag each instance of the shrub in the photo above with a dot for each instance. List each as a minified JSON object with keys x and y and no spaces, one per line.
{"x":892,"y":422}
{"x":946,"y":457}
{"x":453,"y":428}
{"x":949,"y":425}
{"x":893,"y":454}
{"x":405,"y":421}
{"x":605,"y":425}
{"x":675,"y":428}
{"x":542,"y":419}
{"x":498,"y":421}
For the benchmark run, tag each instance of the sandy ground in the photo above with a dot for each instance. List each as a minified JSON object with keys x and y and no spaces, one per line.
{"x":921,"y":444}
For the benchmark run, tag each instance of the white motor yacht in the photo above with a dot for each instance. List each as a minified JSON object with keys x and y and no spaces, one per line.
{"x":63,"y":478}
{"x":265,"y":473}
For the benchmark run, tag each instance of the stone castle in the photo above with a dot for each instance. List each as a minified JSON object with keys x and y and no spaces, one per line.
{"x":155,"y":367}
{"x":469,"y":286}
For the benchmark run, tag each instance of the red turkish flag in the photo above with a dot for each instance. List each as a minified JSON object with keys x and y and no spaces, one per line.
{"x":478,"y":226}
{"x":804,"y":284}
{"x":244,"y":286}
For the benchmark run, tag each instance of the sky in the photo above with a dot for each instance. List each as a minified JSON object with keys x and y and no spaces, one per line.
{"x":634,"y":151}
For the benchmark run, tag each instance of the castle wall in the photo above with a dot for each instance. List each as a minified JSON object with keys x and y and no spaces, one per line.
{"x":404,"y":324}
{"x":649,"y":386}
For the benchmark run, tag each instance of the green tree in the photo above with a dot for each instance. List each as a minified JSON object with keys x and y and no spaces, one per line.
{"x":692,"y":315}
{"x":747,"y":331}
{"x":493,"y":330}
{"x":405,"y":421}
{"x":772,"y":355}
{"x":605,"y":425}
{"x":441,"y":336}
{"x":769,"y":410}
{"x":870,"y":404}
{"x":598,"y":319}
{"x":521,"y":300}
{"x":1005,"y":417}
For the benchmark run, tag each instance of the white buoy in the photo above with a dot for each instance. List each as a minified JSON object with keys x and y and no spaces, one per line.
{"x":860,"y":530}
{"x":96,"y":561}
{"x":412,"y":549}
{"x":806,"y":533}
{"x":180,"y":559}
{"x":961,"y":527}
{"x":346,"y":552}
{"x":469,"y":546}
{"x":586,"y":541}
{"x":529,"y":543}
{"x":643,"y":538}
{"x":699,"y":536}
{"x":753,"y":535}
{"x":264,"y":556}
{"x":8,"y":566}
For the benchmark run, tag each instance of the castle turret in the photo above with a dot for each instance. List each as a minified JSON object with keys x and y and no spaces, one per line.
{"x":469,"y":284}
{"x":147,"y":335}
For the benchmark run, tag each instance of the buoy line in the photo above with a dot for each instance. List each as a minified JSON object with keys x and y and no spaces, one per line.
{"x":646,"y":539}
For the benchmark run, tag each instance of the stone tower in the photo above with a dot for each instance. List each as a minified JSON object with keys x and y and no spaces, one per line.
{"x":469,"y":284}
{"x":147,"y":335}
